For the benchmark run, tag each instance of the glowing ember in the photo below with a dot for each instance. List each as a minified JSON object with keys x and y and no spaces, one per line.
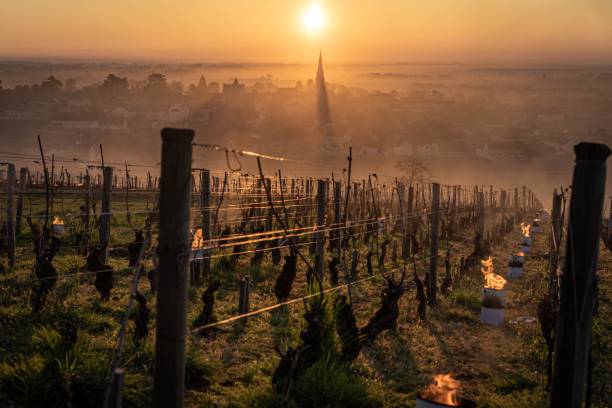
{"x":198,"y":238}
{"x":519,"y":254}
{"x":491,"y":279}
{"x":443,"y":390}
{"x":526,"y":229}
{"x":58,"y":221}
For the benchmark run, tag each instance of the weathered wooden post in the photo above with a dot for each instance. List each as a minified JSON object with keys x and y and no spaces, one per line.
{"x":87,"y":201}
{"x":579,"y":280}
{"x":432,"y":277}
{"x":10,"y":215}
{"x":408,"y":222}
{"x":609,"y":236}
{"x":206,"y":233}
{"x":244,"y":299}
{"x":555,"y":241}
{"x":481,"y":213}
{"x":337,"y":217}
{"x":173,"y":252}
{"x":23,"y":181}
{"x":116,"y":391}
{"x":320,"y":234}
{"x":517,"y":218}
{"x":269,"y":213}
{"x":105,"y":217}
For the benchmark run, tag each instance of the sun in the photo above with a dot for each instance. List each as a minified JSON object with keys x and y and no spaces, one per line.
{"x":313,"y":18}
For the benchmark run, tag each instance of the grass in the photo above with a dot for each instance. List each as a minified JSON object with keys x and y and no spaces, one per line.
{"x":233,"y":366}
{"x":467,"y":298}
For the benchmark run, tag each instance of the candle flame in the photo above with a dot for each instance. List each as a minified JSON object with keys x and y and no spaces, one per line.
{"x":491,"y":279}
{"x":442,"y":390}
{"x":198,"y":238}
{"x":526,"y":229}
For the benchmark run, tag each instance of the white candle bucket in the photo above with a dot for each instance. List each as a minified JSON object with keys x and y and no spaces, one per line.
{"x":58,"y":229}
{"x":196,"y":253}
{"x":514,"y":272}
{"x":493,"y":317}
{"x":495,"y":294}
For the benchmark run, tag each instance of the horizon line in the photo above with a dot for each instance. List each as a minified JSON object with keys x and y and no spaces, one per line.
{"x":527,"y":63}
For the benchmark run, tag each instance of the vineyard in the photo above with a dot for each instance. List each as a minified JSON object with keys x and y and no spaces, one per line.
{"x":138,"y":285}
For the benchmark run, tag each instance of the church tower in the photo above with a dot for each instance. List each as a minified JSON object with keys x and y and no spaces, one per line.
{"x":324,"y":120}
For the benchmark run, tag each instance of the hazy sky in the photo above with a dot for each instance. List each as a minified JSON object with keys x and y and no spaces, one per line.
{"x":563,"y":31}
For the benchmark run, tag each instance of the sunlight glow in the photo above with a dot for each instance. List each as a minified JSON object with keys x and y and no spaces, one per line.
{"x":314,"y":18}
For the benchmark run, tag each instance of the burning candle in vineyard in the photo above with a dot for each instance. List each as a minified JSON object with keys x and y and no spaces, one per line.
{"x":526,"y":240}
{"x":493,"y":294}
{"x":515,"y":265}
{"x":535,"y":225}
{"x":58,"y":226}
{"x":196,"y":244}
{"x":442,"y":392}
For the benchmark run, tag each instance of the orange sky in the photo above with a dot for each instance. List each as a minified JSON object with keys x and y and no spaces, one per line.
{"x":566,"y":31}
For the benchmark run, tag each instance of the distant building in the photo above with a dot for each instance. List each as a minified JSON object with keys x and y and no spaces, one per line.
{"x":213,"y":87}
{"x":202,"y":84}
{"x":233,"y":90}
{"x":323,"y":115}
{"x":325,"y":125}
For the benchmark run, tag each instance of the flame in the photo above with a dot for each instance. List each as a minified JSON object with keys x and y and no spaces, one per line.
{"x":198,"y":238}
{"x":526,"y":229}
{"x":519,"y":253}
{"x":58,"y":221}
{"x":443,"y":390}
{"x":487,"y":266}
{"x":491,"y":279}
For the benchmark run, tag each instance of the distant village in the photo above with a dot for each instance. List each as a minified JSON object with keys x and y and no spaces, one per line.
{"x":484,"y":114}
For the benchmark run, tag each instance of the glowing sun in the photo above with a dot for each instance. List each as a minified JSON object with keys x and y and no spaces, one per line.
{"x":313,"y":18}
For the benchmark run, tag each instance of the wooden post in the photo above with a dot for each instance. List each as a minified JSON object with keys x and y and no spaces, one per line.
{"x":23,"y":181}
{"x":481,"y":214}
{"x":206,"y":233}
{"x":320,"y":235}
{"x":116,"y":391}
{"x":516,"y":207}
{"x":244,"y":300}
{"x":173,"y":251}
{"x":105,"y":217}
{"x":609,"y":236}
{"x":408,"y":223}
{"x":87,"y":204}
{"x":269,"y":213}
{"x":337,"y":217}
{"x":555,"y":241}
{"x":10,"y":215}
{"x":579,"y":280}
{"x":432,"y":285}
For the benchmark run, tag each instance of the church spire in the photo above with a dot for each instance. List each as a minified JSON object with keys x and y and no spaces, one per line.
{"x":323,"y":114}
